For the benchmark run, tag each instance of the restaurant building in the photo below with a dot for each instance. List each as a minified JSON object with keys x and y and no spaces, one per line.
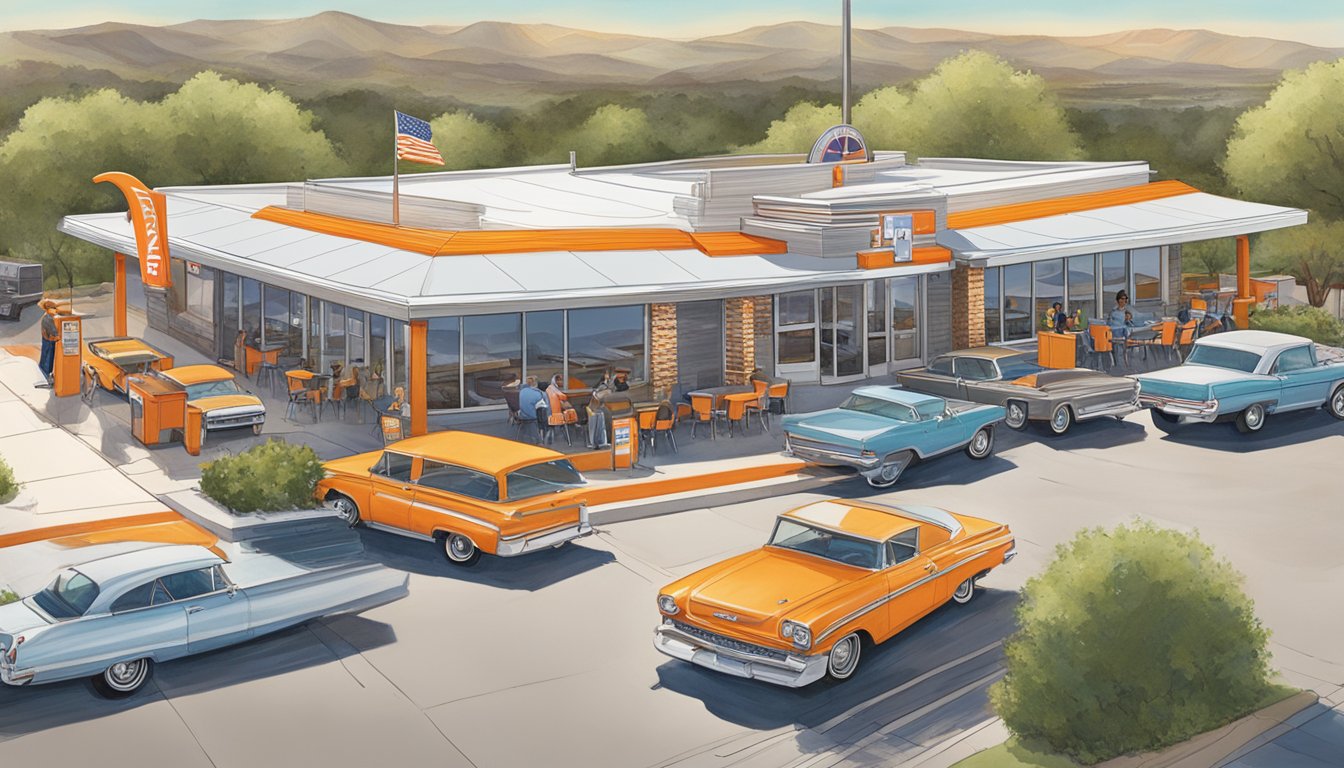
{"x":689,"y":273}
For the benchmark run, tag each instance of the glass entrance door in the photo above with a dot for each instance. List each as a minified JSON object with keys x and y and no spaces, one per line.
{"x":843,"y":337}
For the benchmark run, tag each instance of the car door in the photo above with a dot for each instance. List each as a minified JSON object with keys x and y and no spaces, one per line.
{"x":143,"y":622}
{"x":216,"y":614}
{"x":972,"y":373}
{"x":910,"y":581}
{"x":391,"y":490}
{"x":1302,"y":384}
{"x":938,"y":378}
{"x":451,"y":497}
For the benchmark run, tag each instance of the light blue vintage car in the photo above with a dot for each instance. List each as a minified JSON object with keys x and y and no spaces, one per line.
{"x":880,"y":430}
{"x":112,"y":619}
{"x":1243,"y":376}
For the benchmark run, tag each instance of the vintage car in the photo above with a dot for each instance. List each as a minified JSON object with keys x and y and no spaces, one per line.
{"x":114,"y":618}
{"x":109,"y":361}
{"x":881,"y":430}
{"x":468,"y":493}
{"x":1054,"y":398}
{"x":1242,"y":376}
{"x":224,"y":403}
{"x":835,"y":577}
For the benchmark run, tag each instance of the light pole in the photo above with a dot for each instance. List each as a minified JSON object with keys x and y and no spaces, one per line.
{"x":844,"y":65}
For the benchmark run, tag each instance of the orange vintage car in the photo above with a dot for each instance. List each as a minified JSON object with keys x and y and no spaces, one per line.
{"x":468,"y":493}
{"x":109,"y":360}
{"x":223,"y":401}
{"x":836,"y":576}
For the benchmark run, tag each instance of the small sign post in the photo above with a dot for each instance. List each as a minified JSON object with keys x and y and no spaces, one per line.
{"x":623,"y":443}
{"x":390,"y":426}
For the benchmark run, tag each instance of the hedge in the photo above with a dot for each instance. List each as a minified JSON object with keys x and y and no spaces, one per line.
{"x":9,"y":487}
{"x":1313,"y":322}
{"x":272,"y":476}
{"x":7,"y":597}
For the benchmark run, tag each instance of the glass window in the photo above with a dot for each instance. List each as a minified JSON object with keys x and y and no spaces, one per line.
{"x":298,"y":318}
{"x":1146,"y":265}
{"x":228,"y":314}
{"x":252,"y":309}
{"x":69,"y":595}
{"x":975,"y":369}
{"x":904,"y":318}
{"x":1114,"y":277}
{"x":1049,"y":278}
{"x":606,"y":337}
{"x":1223,"y":357}
{"x":492,"y":356}
{"x":136,"y":598}
{"x":333,"y":336}
{"x":213,"y":389}
{"x":275,"y":306}
{"x":160,"y":595}
{"x":1017,"y":302}
{"x":459,"y":480}
{"x":790,"y":534}
{"x":546,"y":477}
{"x":797,"y":308}
{"x":394,"y":466}
{"x":903,"y":546}
{"x":201,"y":294}
{"x":797,"y":346}
{"x":1295,"y":359}
{"x":941,"y":366}
{"x":354,"y":338}
{"x":377,"y":362}
{"x":316,"y":309}
{"x":993,"y":306}
{"x":1083,"y":287}
{"x":1017,"y":366}
{"x":189,"y":584}
{"x":875,"y":307}
{"x":443,"y":370}
{"x":545,"y":344}
{"x":880,"y":407}
{"x":399,"y":375}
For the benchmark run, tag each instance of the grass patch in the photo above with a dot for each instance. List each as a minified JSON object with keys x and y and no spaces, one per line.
{"x":9,"y":487}
{"x":1014,"y":753}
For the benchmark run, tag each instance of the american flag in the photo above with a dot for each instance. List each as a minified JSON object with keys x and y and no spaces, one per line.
{"x":413,"y":144}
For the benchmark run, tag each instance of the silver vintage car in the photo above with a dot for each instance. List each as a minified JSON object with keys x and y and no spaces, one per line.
{"x":112,"y":619}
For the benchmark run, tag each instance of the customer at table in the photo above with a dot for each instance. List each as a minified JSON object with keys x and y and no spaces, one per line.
{"x":529,"y":397}
{"x":1066,"y":324}
{"x":621,"y":381}
{"x":561,"y":411}
{"x":1121,"y":317}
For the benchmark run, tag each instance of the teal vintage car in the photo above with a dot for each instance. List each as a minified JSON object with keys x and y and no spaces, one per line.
{"x":881,"y":430}
{"x":1243,"y":376}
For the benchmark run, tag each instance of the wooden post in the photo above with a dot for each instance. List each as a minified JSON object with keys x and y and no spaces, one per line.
{"x":119,"y":296}
{"x":418,"y":360}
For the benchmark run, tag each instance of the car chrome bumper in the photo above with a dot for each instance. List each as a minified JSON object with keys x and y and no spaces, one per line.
{"x":819,"y":455}
{"x":554,"y":537}
{"x":230,"y":418}
{"x":1193,"y":410}
{"x":11,"y":676}
{"x":793,"y":671}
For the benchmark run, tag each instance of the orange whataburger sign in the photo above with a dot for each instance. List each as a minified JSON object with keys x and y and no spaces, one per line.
{"x":149,"y":214}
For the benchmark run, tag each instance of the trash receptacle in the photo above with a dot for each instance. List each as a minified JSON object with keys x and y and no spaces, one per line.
{"x":158,"y":407}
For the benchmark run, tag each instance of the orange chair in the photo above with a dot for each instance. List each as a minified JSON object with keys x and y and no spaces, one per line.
{"x":760,"y":406}
{"x":780,"y":392}
{"x":665,"y":422}
{"x":702,"y":407}
{"x":1101,"y":340}
{"x":646,"y":420}
{"x":1185,"y":339}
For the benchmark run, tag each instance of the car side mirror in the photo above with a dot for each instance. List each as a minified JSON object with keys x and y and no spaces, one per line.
{"x":231,"y":590}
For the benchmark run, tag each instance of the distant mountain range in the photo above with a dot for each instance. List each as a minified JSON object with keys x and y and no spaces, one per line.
{"x":510,"y":64}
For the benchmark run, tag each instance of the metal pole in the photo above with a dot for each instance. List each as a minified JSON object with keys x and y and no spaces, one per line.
{"x":396,"y":181}
{"x":845,"y":64}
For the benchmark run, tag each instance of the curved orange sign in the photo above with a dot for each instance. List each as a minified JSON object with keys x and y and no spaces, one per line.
{"x":149,"y":214}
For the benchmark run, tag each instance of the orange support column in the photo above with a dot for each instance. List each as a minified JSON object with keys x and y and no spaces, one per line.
{"x":119,"y":297}
{"x":1243,"y":267}
{"x":418,"y":361}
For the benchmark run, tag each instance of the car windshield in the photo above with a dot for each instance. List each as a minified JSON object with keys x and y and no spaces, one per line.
{"x":212,"y":389}
{"x":1017,"y":366}
{"x":68,"y":596}
{"x":850,"y":550}
{"x":1223,"y":357}
{"x":538,"y":479}
{"x":879,"y":407}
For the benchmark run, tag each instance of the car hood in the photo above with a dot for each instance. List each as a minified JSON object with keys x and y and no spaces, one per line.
{"x":227,"y":401}
{"x":837,"y":422}
{"x":358,"y":464}
{"x":17,"y":618}
{"x":759,"y":587}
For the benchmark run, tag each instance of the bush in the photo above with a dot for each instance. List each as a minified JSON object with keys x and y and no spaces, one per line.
{"x":7,"y":597}
{"x":1131,"y":640}
{"x":1313,"y":322}
{"x":267,"y":477}
{"x":8,"y":485}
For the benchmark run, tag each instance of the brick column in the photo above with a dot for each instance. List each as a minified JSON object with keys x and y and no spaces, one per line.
{"x":968,"y":307}
{"x":663,"y":348}
{"x":764,"y":331}
{"x":739,"y":325}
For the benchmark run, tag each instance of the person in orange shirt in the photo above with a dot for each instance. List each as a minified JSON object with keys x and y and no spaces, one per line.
{"x":561,"y":412}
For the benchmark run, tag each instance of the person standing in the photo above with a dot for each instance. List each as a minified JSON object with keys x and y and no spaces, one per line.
{"x":47,"y":360}
{"x":1117,"y":321}
{"x":598,"y":413}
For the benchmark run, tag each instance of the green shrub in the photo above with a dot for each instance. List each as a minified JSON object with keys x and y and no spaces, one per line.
{"x":1132,"y":639}
{"x":267,"y":477}
{"x":7,"y":597}
{"x":1313,"y":322}
{"x":8,"y":485}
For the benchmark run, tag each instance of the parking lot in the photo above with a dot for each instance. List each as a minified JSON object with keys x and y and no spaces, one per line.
{"x":548,"y":659}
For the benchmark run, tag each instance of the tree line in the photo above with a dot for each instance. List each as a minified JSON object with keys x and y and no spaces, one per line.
{"x":213,"y":130}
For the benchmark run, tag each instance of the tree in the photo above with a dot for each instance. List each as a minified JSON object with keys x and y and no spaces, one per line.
{"x":613,"y":135}
{"x":1313,"y":253}
{"x":884,"y":118}
{"x":1215,"y":256}
{"x":797,"y":131}
{"x":1290,"y":151}
{"x":1132,"y":639}
{"x":467,"y":142}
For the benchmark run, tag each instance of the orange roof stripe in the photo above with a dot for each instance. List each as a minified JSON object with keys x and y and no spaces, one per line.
{"x":1055,"y":206}
{"x":885,"y":257}
{"x":442,"y":242}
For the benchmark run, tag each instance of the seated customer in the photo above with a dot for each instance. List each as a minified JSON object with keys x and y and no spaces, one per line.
{"x":561,"y":411}
{"x":529,"y":397}
{"x":1117,"y":318}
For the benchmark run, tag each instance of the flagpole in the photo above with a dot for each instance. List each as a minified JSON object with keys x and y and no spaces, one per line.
{"x":396,"y":181}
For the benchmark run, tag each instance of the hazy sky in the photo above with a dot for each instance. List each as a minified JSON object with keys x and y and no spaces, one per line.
{"x":1320,"y":22}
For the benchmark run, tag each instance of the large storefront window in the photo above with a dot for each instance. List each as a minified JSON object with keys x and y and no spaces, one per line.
{"x":276,"y":309}
{"x":905,"y":301}
{"x":876,"y":309}
{"x":545,"y":344}
{"x":1083,"y":286}
{"x":333,"y":336}
{"x":700,"y":344}
{"x":1017,"y":323}
{"x":606,"y":338}
{"x":993,"y":306}
{"x":398,"y":374}
{"x":492,"y":356}
{"x":228,"y":314}
{"x":377,"y":347}
{"x":191,"y":304}
{"x":252,"y":308}
{"x":796,"y":329}
{"x":1146,"y":266}
{"x":444,"y":370}
{"x":298,"y":314}
{"x":1049,"y":279}
{"x":1114,"y":277}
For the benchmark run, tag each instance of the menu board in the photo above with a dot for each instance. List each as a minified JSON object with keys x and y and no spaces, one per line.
{"x":390,"y":426}
{"x":70,"y":337}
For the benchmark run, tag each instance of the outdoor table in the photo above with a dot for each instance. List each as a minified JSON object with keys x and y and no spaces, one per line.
{"x":256,"y":354}
{"x":736,"y":404}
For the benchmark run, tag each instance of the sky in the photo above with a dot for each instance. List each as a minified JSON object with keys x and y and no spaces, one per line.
{"x":1319,"y":22}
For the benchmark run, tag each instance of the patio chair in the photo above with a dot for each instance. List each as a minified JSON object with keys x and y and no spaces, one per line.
{"x":1087,"y":351}
{"x":515,"y":417}
{"x":544,"y":436}
{"x":1185,"y":339}
{"x":760,"y":406}
{"x":1101,"y":340}
{"x":703,"y":411}
{"x":665,"y":422}
{"x":646,"y":420}
{"x":779,"y":392}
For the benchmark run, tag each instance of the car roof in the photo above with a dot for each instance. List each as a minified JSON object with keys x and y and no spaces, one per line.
{"x":871,"y":520}
{"x":898,"y":395}
{"x":143,"y":563}
{"x":1259,"y":342}
{"x":484,"y":453}
{"x":196,"y":374}
{"x":988,"y":353}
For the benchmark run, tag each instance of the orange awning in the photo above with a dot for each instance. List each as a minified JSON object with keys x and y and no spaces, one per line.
{"x":1004,"y":214}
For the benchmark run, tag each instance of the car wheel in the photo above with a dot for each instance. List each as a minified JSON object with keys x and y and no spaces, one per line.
{"x":844,"y":656}
{"x":123,"y":678}
{"x":1016,"y":414}
{"x":1165,"y":421}
{"x":1336,"y":404}
{"x":886,"y":475}
{"x":964,"y":593}
{"x":982,"y":444}
{"x":460,"y":550}
{"x":88,"y":385}
{"x":256,"y":429}
{"x":1252,"y":419}
{"x":346,"y":508}
{"x":1060,"y":420}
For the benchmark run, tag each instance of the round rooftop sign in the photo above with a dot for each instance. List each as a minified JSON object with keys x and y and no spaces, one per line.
{"x":840,"y":143}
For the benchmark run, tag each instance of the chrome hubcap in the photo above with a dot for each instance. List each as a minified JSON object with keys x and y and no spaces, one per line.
{"x":345,"y":509}
{"x":1015,"y":414}
{"x":964,"y":590}
{"x":1253,"y":417}
{"x":1061,"y":419}
{"x":1338,"y":402}
{"x":125,"y":675}
{"x":981,"y":442}
{"x":460,"y":547}
{"x":844,"y":656}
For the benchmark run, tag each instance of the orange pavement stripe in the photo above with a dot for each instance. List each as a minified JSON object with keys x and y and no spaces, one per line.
{"x":1005,"y":214}
{"x":91,"y":526}
{"x":174,"y":532}
{"x":24,"y":350}
{"x":636,"y":490}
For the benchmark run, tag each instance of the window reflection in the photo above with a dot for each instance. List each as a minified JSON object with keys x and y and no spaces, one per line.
{"x":252,"y":309}
{"x":1017,"y":302}
{"x":1114,"y":277}
{"x":606,"y":337}
{"x":993,"y":307}
{"x":275,"y":308}
{"x":1049,"y":278}
{"x":443,"y":371}
{"x":492,"y":356}
{"x":1146,"y":265}
{"x":905,"y":318}
{"x":1083,"y":286}
{"x":545,"y":344}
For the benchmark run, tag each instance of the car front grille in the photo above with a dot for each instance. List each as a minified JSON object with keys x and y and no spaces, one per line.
{"x":242,"y":420}
{"x":729,"y":643}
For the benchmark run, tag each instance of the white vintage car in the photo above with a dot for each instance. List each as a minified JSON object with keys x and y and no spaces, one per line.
{"x":113,"y":619}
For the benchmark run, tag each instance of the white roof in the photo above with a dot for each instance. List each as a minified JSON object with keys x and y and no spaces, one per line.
{"x":1183,"y":218}
{"x":1258,"y":342}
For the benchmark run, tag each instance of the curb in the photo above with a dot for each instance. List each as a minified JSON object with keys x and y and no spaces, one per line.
{"x":237,"y":528}
{"x":808,"y":480}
